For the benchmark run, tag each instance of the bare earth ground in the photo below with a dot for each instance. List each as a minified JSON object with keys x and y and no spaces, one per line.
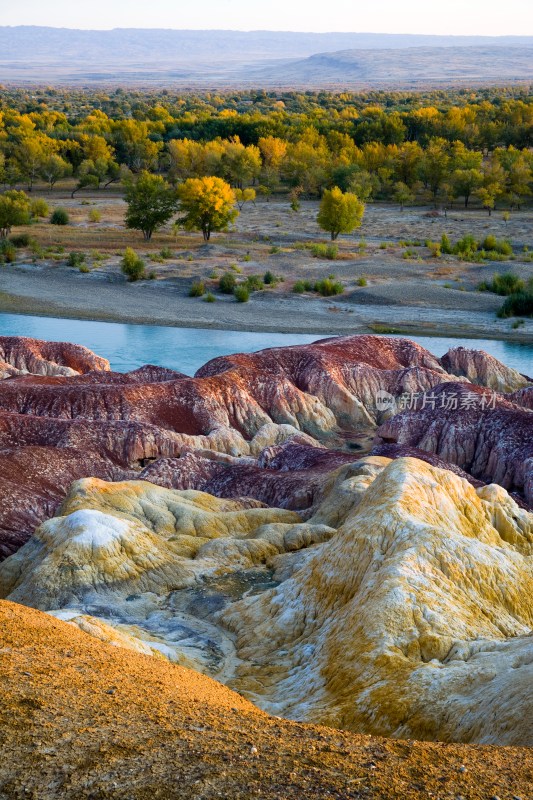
{"x":419,"y":294}
{"x":81,"y":719}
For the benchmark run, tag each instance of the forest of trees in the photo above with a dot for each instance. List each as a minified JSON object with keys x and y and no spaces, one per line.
{"x":443,"y":147}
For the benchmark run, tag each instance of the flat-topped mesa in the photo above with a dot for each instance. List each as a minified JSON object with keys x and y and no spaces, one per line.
{"x":482,"y":432}
{"x":35,"y":357}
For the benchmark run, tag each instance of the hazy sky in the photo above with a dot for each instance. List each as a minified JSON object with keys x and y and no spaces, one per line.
{"x":484,"y":17}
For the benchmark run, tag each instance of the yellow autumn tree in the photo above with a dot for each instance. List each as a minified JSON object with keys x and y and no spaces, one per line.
{"x":207,"y":204}
{"x":340,"y":212}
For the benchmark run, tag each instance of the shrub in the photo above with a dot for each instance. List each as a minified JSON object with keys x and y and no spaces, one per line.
{"x":247,"y":257}
{"x":131,"y":265}
{"x":493,"y":245}
{"x":254,"y":283}
{"x":75,"y":259}
{"x":329,"y":251}
{"x":269,"y":278}
{"x":95,"y":215}
{"x":39,"y":208}
{"x":328,"y":287}
{"x":227,"y":283}
{"x":303,"y":286}
{"x":446,"y":245}
{"x":275,"y":249}
{"x":517,"y":305}
{"x":504,"y":285}
{"x":466,"y":246}
{"x":59,"y":217}
{"x":197,"y":289}
{"x":210,"y":298}
{"x":166,"y":253}
{"x":8,"y":252}
{"x":242,"y":295}
{"x":20,"y":240}
{"x":152,"y":275}
{"x":84,"y":268}
{"x":361,"y":281}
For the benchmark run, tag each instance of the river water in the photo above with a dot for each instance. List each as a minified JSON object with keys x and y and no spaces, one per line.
{"x":186,"y":349}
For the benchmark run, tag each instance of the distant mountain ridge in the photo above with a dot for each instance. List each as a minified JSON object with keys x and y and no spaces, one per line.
{"x":402,"y":67}
{"x":32,"y":54}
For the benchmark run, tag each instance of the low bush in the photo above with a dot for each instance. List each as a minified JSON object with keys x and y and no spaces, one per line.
{"x":39,"y":208}
{"x":197,"y":289}
{"x":504,"y":285}
{"x":210,"y":298}
{"x":254,"y":283}
{"x":446,"y":245}
{"x":242,"y":294}
{"x":8,"y":252}
{"x":75,"y":259}
{"x":329,"y":251}
{"x":269,"y":278}
{"x":303,"y":286}
{"x":361,"y":281}
{"x":517,"y":305}
{"x":328,"y":287}
{"x":59,"y":217}
{"x":166,"y":253}
{"x":20,"y":240}
{"x":466,"y":246}
{"x":493,"y":245}
{"x":132,"y":266}
{"x":227,"y":283}
{"x":84,"y":268}
{"x":95,"y":215}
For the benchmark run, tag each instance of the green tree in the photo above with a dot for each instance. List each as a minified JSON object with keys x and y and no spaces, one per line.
{"x":207,"y":205}
{"x":464,"y":183}
{"x":151,"y":202}
{"x":14,"y":210}
{"x":340,"y":212}
{"x":403,"y":194}
{"x":435,"y":165}
{"x":53,"y":169}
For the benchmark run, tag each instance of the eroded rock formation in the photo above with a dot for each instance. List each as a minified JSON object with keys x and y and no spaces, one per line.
{"x":268,"y":426}
{"x":401,"y":607}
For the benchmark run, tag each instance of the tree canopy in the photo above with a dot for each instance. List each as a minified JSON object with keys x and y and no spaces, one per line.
{"x":340,"y":212}
{"x":151,"y":203}
{"x":14,"y":210}
{"x":207,"y":205}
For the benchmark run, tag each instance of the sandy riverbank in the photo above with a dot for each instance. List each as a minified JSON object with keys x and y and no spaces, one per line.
{"x":63,"y":292}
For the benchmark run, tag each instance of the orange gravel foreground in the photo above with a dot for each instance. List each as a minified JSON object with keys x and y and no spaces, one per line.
{"x":80,"y":719}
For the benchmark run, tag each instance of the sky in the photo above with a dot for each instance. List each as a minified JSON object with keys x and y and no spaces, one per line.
{"x":468,"y":17}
